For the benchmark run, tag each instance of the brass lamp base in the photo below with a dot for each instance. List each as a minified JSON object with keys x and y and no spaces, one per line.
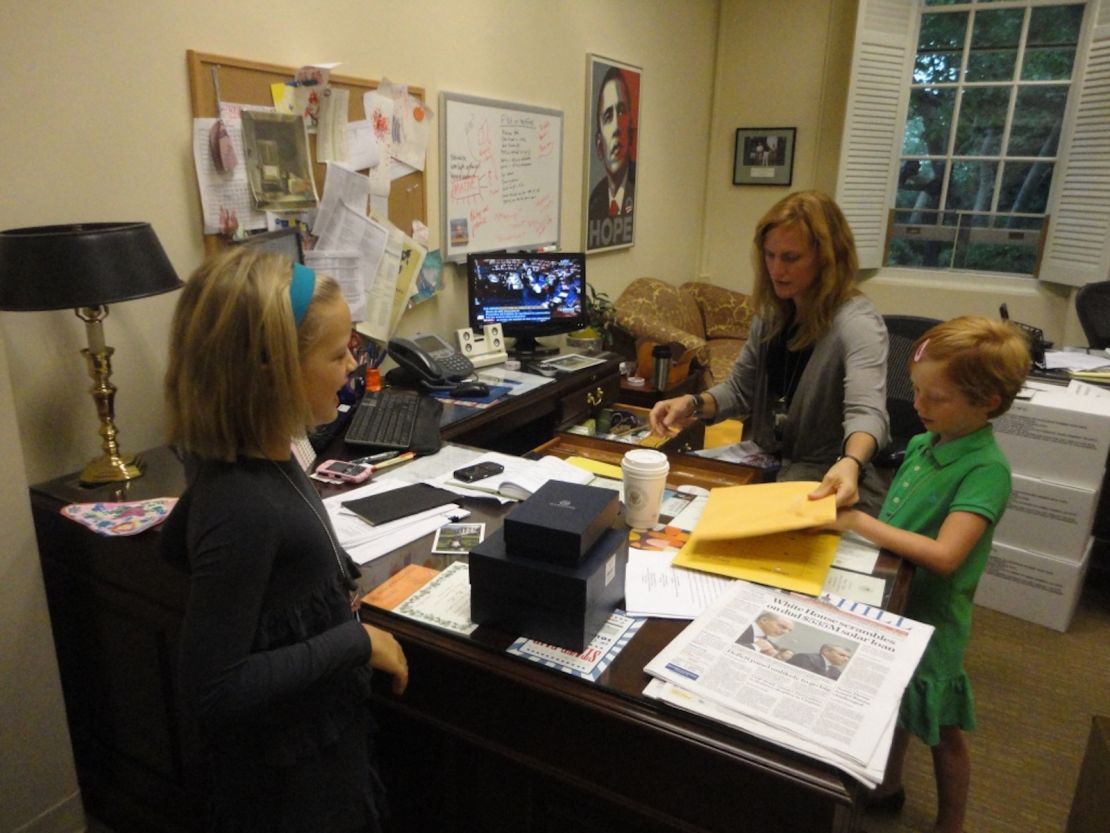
{"x":111,"y":469}
{"x":113,"y":466}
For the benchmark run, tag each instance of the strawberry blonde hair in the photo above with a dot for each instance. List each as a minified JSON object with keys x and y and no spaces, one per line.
{"x":825,"y":228}
{"x":982,"y":358}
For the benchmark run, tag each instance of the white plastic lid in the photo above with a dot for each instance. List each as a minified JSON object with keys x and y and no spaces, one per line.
{"x":645,"y":461}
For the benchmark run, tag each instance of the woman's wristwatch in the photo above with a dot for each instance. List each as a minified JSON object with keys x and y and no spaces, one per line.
{"x":857,"y":461}
{"x":698,"y":409}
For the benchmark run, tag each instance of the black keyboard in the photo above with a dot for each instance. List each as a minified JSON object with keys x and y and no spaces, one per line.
{"x":386,"y":419}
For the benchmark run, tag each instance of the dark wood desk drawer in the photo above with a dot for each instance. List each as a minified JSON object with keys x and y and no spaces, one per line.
{"x":690,"y":438}
{"x":584,"y":401}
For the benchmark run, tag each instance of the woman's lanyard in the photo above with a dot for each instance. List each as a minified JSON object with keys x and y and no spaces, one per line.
{"x":784,"y":370}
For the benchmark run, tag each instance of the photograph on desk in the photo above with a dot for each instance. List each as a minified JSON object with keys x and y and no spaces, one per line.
{"x":458,"y":539}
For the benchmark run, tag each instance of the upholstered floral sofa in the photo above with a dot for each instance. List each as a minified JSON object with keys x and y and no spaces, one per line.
{"x":703,"y":323}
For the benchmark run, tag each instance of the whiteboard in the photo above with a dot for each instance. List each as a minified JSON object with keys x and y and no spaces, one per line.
{"x":502,"y":175}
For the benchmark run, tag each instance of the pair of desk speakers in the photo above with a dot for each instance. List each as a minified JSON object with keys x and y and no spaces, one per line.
{"x":483,"y":350}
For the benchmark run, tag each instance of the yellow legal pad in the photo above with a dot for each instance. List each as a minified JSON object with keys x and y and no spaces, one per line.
{"x":752,"y":532}
{"x":597,"y":467}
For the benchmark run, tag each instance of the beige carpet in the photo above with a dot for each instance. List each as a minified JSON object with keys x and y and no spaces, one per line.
{"x":1036,"y":690}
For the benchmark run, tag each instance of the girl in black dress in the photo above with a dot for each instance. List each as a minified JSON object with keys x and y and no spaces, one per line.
{"x":275,"y":667}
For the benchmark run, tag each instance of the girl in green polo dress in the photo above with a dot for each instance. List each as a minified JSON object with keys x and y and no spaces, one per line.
{"x":940,"y":513}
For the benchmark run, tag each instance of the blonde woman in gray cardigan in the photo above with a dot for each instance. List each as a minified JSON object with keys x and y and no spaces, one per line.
{"x":810,"y":384}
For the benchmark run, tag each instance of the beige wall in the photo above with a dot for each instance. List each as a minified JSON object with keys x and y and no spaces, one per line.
{"x":102,"y":132}
{"x":37,"y":780}
{"x":780,"y":67}
{"x":107,"y":138}
{"x":791,"y":69}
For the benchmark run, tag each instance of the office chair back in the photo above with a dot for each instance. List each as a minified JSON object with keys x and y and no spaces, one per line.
{"x":902,"y":331}
{"x":1092,"y":304}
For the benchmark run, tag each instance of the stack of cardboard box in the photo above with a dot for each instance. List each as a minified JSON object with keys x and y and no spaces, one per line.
{"x":1057,"y":444}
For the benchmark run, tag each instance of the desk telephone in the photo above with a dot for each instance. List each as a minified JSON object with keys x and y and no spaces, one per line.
{"x":430,"y":359}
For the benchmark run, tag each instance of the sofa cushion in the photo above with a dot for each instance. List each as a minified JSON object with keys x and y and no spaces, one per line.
{"x":723,"y":353}
{"x":651,"y":309}
{"x":725,"y":312}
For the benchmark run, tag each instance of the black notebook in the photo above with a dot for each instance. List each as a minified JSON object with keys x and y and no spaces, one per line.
{"x":399,"y":503}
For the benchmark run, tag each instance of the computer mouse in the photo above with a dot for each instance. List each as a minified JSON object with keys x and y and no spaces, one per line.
{"x":470,"y":389}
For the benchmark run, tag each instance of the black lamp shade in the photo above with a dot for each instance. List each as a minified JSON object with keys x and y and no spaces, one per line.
{"x":81,"y":265}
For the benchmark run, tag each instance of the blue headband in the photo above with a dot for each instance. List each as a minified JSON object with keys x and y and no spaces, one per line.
{"x":300,"y":291}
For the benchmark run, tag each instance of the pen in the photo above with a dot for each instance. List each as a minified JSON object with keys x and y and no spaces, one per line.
{"x":400,"y":458}
{"x":376,"y":458}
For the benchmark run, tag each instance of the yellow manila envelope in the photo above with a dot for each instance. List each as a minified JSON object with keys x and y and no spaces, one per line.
{"x":756,"y":533}
{"x":761,"y":509}
{"x":798,"y":561}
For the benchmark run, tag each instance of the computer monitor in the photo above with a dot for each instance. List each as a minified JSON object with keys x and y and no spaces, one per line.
{"x":286,"y":241}
{"x":529,"y":295}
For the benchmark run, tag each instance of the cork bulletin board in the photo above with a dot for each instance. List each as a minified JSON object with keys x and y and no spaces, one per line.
{"x":248,"y":82}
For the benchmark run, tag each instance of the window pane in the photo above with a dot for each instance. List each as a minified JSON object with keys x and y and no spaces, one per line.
{"x":925,"y":253}
{"x":1055,"y":25}
{"x":982,"y":117}
{"x":1038,"y":114}
{"x":929,"y":121}
{"x":1025,"y":187}
{"x":994,"y":44}
{"x":996,"y":257}
{"x":919,"y":185}
{"x":964,"y":199}
{"x":1050,"y":46}
{"x":939,"y":48}
{"x":971,"y":186}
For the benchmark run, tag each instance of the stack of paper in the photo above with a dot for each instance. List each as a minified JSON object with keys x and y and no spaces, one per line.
{"x":365,"y":542}
{"x":825,"y":679}
{"x":757,"y":533}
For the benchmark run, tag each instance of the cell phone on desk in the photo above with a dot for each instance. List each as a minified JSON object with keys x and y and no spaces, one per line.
{"x":345,"y":471}
{"x":478,"y":471}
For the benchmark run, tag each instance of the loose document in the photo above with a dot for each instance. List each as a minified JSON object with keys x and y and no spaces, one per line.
{"x":847,"y":722}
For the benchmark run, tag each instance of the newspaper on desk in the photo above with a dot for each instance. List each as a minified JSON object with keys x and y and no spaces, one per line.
{"x":846,"y":721}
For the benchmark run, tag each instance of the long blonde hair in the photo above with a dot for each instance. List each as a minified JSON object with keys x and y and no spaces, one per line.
{"x":234,"y":380}
{"x":824,"y":227}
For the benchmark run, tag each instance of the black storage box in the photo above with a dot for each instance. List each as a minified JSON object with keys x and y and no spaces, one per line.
{"x":565,"y":606}
{"x":560,"y":522}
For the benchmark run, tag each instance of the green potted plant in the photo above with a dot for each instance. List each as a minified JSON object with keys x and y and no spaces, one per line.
{"x":597,"y":335}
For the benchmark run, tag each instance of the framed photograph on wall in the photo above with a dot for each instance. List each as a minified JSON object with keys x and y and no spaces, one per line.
{"x":764,"y":156}
{"x":612,"y":121}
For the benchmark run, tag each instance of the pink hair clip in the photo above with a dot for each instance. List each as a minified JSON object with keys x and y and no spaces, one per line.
{"x":920,"y":350}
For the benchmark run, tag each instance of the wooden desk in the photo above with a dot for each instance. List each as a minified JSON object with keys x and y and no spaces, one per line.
{"x":518,"y":424}
{"x":483,"y":740}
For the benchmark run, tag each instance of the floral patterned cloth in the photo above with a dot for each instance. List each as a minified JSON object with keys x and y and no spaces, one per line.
{"x":126,"y":518}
